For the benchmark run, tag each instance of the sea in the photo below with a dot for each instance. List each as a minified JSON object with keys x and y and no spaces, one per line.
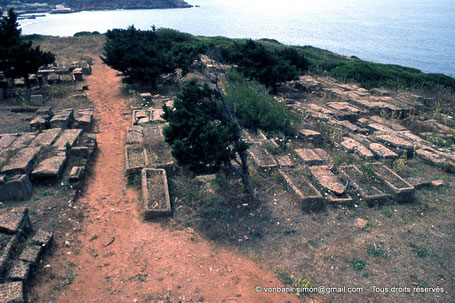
{"x":414,"y":33}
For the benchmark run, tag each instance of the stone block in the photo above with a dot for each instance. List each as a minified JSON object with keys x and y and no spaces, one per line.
{"x":397,"y":142}
{"x":382,"y":152}
{"x":15,"y":221}
{"x":49,"y":169}
{"x":78,"y":75}
{"x":308,"y":135}
{"x":309,"y":197}
{"x":31,"y":253}
{"x":146,"y":97}
{"x":22,"y":141}
{"x":19,"y":271}
{"x":42,"y":237}
{"x":76,"y":174}
{"x":84,"y":119}
{"x":12,"y":292}
{"x":142,"y":116}
{"x":6,"y":140}
{"x":16,"y":188}
{"x":62,"y":119}
{"x":68,"y":139}
{"x":38,"y":123}
{"x":46,"y":137}
{"x":22,"y":162}
{"x":155,"y":194}
{"x":436,"y":158}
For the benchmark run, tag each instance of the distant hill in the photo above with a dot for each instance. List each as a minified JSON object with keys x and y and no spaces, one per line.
{"x":108,"y":4}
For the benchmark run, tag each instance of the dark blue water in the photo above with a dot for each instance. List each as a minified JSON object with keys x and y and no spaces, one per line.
{"x":416,"y":33}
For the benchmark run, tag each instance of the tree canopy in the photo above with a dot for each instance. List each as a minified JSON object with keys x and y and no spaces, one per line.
{"x":269,"y":67}
{"x":142,"y":56}
{"x":200,"y":138}
{"x":18,"y":58}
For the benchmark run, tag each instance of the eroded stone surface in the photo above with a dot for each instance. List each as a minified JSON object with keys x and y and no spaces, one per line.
{"x":22,"y":162}
{"x":324,"y":175}
{"x":135,"y":135}
{"x":68,"y":139}
{"x":50,"y":168}
{"x":15,"y":188}
{"x":12,"y":292}
{"x":42,"y":237}
{"x":31,"y":253}
{"x":46,"y":137}
{"x":76,"y":174}
{"x":382,"y":152}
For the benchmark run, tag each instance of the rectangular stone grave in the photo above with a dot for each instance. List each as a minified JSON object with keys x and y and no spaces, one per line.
{"x":135,"y":159}
{"x":310,"y":156}
{"x":367,"y":186}
{"x":8,"y":246}
{"x":309,"y":135}
{"x":38,"y":123}
{"x":76,"y":174}
{"x":62,"y":119}
{"x":18,"y":271}
{"x":77,"y":74}
{"x":158,"y":155}
{"x":352,"y":146}
{"x":22,"y":162}
{"x":12,"y":292}
{"x":84,"y":119}
{"x":135,"y":135}
{"x":396,"y":142}
{"x":309,"y":197}
{"x":382,"y":152}
{"x":15,"y":221}
{"x":261,"y":157}
{"x":49,"y":169}
{"x":335,"y":190}
{"x":17,"y":187}
{"x":42,"y":237}
{"x":46,"y":137}
{"x":31,"y":253}
{"x":155,"y":194}
{"x":22,"y":141}
{"x":6,"y":140}
{"x":68,"y":139}
{"x":402,"y":191}
{"x":377,"y":127}
{"x":152,"y":132}
{"x":284,"y":160}
{"x":142,"y":116}
{"x":436,"y":158}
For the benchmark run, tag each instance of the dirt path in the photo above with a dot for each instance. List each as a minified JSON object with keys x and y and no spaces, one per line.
{"x":121,"y":259}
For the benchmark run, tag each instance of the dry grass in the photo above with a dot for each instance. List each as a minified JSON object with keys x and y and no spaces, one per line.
{"x":70,"y":49}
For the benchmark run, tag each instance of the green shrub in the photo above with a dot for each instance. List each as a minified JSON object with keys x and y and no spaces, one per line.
{"x":256,"y":109}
